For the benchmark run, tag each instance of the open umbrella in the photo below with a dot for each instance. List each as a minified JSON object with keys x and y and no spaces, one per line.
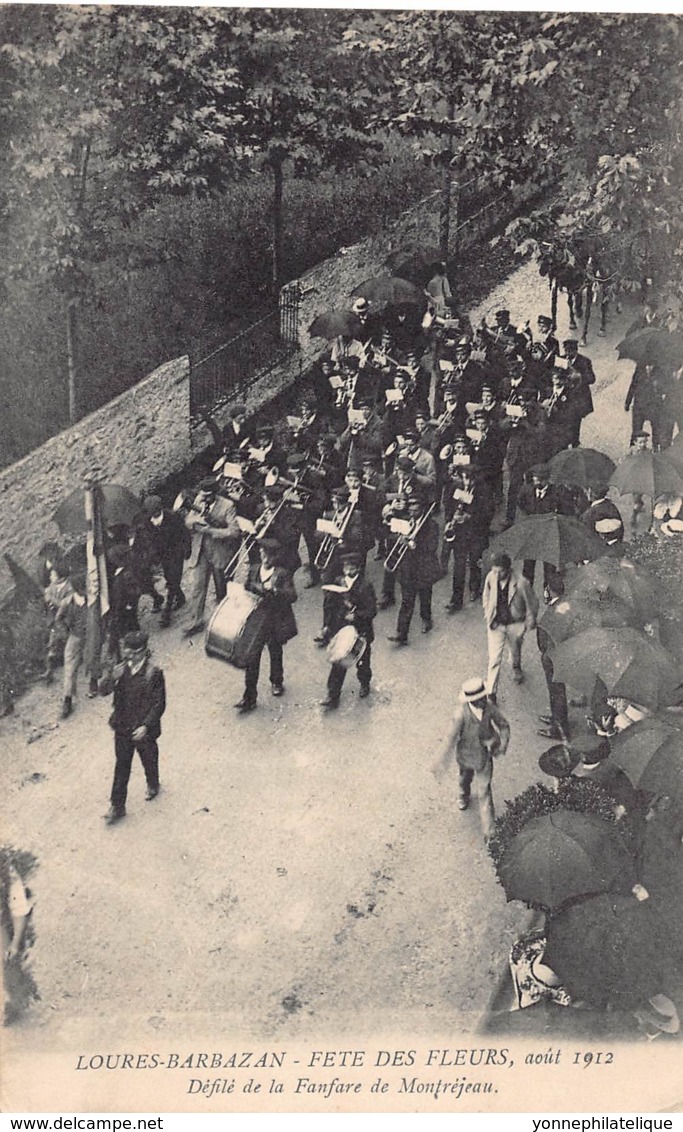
{"x":562,"y":855}
{"x":651,"y":753}
{"x":330,"y":324}
{"x":619,"y":579}
{"x":557,"y":539}
{"x":628,"y":663}
{"x":671,"y":636}
{"x":117,"y":505}
{"x":653,"y":346}
{"x":569,"y":616}
{"x":674,"y":453}
{"x":581,"y":467}
{"x":388,"y":290}
{"x":606,"y":950}
{"x":647,"y":473}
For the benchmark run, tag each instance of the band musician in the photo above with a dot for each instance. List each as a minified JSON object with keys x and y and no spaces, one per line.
{"x":468,"y":511}
{"x":357,"y":606}
{"x":216,"y":539}
{"x":350,"y":539}
{"x":419,"y":567}
{"x":274,"y":585}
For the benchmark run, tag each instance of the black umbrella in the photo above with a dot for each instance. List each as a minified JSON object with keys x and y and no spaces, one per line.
{"x":567,"y":617}
{"x":674,"y":453}
{"x":647,"y":473}
{"x":581,"y":467}
{"x":651,"y":753}
{"x":556,"y":539}
{"x":116,"y":504}
{"x":606,"y":951}
{"x":559,"y":856}
{"x":388,"y":290}
{"x":330,"y":324}
{"x":653,"y":346}
{"x":619,"y":579}
{"x":628,"y":663}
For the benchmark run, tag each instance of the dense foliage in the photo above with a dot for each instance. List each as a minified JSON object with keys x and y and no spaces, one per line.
{"x":144,"y":142}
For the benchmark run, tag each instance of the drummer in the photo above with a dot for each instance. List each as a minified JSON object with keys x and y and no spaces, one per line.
{"x":357,"y":608}
{"x":274,"y":585}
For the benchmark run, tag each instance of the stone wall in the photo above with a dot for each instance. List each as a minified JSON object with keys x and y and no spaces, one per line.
{"x":137,"y":439}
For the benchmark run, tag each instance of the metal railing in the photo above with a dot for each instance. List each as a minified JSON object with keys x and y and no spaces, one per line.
{"x":232,"y":368}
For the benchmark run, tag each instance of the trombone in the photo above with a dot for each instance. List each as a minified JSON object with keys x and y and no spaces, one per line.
{"x":260,"y":528}
{"x":330,"y":542}
{"x":406,"y":542}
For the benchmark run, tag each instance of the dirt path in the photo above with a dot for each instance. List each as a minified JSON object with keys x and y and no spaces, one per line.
{"x":298,"y":874}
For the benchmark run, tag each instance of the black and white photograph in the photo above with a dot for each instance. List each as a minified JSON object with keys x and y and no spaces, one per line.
{"x":341,"y":591}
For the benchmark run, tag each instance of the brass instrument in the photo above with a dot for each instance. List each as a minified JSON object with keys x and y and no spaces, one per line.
{"x":294,"y":487}
{"x":406,"y":542}
{"x":186,"y":501}
{"x":446,"y":422}
{"x":330,"y":542}
{"x":458,"y":519}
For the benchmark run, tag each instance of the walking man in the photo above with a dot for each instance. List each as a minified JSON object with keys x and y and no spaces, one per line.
{"x":213,"y":523}
{"x":170,"y":544}
{"x":274,"y":585}
{"x":139,"y":703}
{"x":480,"y":733}
{"x":72,"y":615}
{"x":510,"y":608}
{"x":356,"y":607}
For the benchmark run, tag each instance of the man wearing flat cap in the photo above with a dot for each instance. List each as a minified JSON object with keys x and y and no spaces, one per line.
{"x":139,"y":703}
{"x":212,"y":519}
{"x":345,"y":514}
{"x":170,"y":545}
{"x":419,"y":568}
{"x":581,"y":376}
{"x":274,"y":585}
{"x":233,"y":435}
{"x":480,"y":733}
{"x":357,"y":606}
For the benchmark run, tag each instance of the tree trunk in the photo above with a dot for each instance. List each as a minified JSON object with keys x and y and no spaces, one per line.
{"x":445,"y":215}
{"x":447,"y":194}
{"x":71,"y":359}
{"x":278,"y":180}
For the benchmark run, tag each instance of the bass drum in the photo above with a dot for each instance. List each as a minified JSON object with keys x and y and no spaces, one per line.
{"x":346,"y":647}
{"x":237,"y":629}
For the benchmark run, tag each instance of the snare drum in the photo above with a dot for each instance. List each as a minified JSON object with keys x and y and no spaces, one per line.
{"x":236,"y":631}
{"x":346,"y":647}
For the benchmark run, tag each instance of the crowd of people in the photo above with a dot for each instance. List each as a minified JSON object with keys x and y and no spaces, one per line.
{"x":415,"y":417}
{"x":418,"y":439}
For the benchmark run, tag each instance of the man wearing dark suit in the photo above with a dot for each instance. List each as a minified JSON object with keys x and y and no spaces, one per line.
{"x":170,"y":545}
{"x":139,"y":703}
{"x":356,"y":607}
{"x":527,"y":445}
{"x":557,"y":723}
{"x":418,"y":570}
{"x":563,"y":411}
{"x":581,"y":376}
{"x":468,"y":511}
{"x":234,"y":434}
{"x":600,"y":507}
{"x":275,"y":586}
{"x":362,"y":438}
{"x":538,"y":497}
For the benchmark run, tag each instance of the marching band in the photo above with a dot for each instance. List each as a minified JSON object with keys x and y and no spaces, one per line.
{"x":404,"y":423}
